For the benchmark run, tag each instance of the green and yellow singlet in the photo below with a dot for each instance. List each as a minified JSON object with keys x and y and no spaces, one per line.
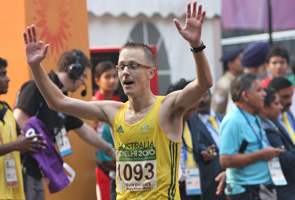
{"x":147,"y":160}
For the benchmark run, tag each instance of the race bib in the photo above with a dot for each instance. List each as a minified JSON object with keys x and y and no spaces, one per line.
{"x":136,"y":169}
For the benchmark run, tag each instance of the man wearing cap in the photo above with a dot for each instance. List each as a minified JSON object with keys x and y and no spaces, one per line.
{"x":254,"y":57}
{"x":232,"y":67}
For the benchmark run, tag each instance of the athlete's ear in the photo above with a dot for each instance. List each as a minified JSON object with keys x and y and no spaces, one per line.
{"x":151,"y":72}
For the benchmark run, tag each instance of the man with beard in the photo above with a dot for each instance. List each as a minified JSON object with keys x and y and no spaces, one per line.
{"x":205,"y":125}
{"x":285,"y":90}
{"x":285,"y":126}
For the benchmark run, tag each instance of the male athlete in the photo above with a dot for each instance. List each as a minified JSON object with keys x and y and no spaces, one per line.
{"x":147,"y":129}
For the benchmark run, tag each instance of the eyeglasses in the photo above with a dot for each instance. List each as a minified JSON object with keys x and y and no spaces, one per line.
{"x":130,"y":66}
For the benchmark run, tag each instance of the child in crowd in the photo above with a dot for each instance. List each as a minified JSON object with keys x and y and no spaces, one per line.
{"x":277,"y":64}
{"x":106,"y":78}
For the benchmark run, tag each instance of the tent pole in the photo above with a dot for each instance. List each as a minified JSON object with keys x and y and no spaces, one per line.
{"x":269,"y":22}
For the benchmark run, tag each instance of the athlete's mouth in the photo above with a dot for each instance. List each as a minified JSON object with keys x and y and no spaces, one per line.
{"x":128,"y":82}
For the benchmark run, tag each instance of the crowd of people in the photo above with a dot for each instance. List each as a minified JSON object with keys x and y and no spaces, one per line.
{"x":233,"y":142}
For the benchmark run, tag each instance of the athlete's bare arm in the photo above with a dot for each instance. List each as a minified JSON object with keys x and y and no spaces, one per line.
{"x":96,"y":110}
{"x":177,"y":103}
{"x":191,"y":32}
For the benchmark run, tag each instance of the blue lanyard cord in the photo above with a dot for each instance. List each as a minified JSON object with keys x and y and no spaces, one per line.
{"x":212,"y":128}
{"x":183,"y":148}
{"x":259,"y":136}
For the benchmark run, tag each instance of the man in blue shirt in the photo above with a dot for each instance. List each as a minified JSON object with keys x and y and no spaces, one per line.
{"x":245,"y":150}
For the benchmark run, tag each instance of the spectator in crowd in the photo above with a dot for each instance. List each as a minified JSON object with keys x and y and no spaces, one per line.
{"x":244,"y":149}
{"x":232,"y":67}
{"x":254,"y":58}
{"x":146,"y":123}
{"x":106,"y":78}
{"x":205,"y":125}
{"x":277,"y":64}
{"x":291,"y":76}
{"x":278,"y":136}
{"x":72,"y":69}
{"x":12,"y":141}
{"x":187,"y":160}
{"x":108,"y":163}
{"x":285,"y":91}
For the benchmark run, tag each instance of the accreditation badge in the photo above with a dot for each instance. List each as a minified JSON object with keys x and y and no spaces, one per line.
{"x":276,"y":173}
{"x":10,"y":171}
{"x":63,"y":142}
{"x":192,"y":183}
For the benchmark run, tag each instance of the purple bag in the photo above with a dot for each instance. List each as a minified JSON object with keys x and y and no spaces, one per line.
{"x":49,"y":160}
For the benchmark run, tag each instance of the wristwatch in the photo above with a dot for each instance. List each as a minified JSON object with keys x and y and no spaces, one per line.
{"x":198,"y":49}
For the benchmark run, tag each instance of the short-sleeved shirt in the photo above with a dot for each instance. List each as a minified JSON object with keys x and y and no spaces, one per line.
{"x":30,"y":100}
{"x":107,"y":136}
{"x":264,"y":83}
{"x":234,"y":129}
{"x":291,"y":78}
{"x":221,"y":93}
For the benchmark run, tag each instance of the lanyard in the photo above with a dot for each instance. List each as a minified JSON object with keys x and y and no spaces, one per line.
{"x":188,"y":148}
{"x":184,"y":148}
{"x":259,"y":136}
{"x":212,"y":128}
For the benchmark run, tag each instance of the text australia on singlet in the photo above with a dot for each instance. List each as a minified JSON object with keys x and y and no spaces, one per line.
{"x":136,"y":166}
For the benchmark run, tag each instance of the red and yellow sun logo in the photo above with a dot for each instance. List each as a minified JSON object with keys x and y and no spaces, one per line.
{"x":53,"y":22}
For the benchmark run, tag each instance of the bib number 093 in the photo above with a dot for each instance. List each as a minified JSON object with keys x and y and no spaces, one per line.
{"x":137,"y":175}
{"x":137,"y":172}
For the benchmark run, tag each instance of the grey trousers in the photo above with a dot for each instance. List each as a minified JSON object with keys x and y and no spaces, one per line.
{"x":34,"y":189}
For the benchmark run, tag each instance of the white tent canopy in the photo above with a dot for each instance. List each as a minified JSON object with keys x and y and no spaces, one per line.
{"x":111,"y":23}
{"x":164,"y":8}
